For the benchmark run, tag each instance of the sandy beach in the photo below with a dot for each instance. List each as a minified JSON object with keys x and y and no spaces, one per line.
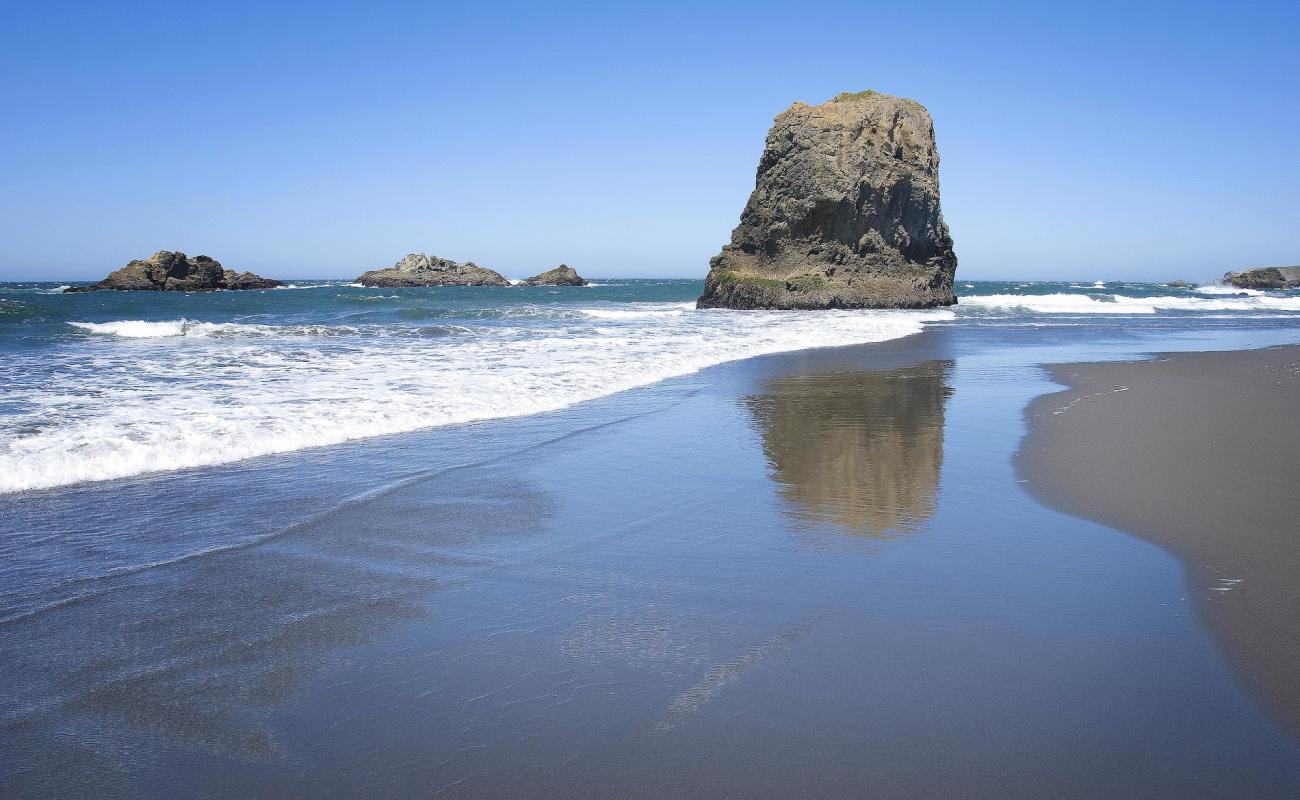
{"x":1195,"y":452}
{"x":806,"y":575}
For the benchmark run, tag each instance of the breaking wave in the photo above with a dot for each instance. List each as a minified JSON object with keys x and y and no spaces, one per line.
{"x":1067,"y":303}
{"x":188,"y":394}
{"x":135,"y":328}
{"x":1219,"y":288}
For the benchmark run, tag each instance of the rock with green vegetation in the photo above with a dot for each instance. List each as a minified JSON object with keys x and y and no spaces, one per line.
{"x":844,"y":214}
{"x":418,"y":269}
{"x":563,"y":275}
{"x":1265,"y":278}
{"x":167,"y":271}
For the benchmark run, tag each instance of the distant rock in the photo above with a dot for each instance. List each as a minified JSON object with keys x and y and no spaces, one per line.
{"x":844,"y":214}
{"x":419,"y":269}
{"x":167,"y":271}
{"x":247,"y":280}
{"x":1177,"y":284}
{"x":563,"y":275}
{"x":1265,"y":278}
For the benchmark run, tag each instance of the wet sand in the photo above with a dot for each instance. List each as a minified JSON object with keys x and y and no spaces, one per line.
{"x":810,"y":575}
{"x":1200,"y":454}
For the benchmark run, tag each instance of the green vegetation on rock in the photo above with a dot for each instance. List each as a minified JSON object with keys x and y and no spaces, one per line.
{"x":854,"y":95}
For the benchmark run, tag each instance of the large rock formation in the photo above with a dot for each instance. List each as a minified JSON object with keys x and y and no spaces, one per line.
{"x":419,"y":269}
{"x":563,"y":275}
{"x":1265,"y":278}
{"x":166,"y":271}
{"x":844,"y":213}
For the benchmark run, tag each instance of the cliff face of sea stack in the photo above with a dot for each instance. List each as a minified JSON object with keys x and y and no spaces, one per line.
{"x":563,"y":275}
{"x":844,"y":214}
{"x":167,"y":271}
{"x":419,"y":269}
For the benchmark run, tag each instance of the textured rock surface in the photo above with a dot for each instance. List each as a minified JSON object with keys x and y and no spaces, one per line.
{"x":563,"y":275}
{"x":844,"y":214}
{"x":419,"y":269}
{"x":167,"y":271}
{"x":1265,"y":278}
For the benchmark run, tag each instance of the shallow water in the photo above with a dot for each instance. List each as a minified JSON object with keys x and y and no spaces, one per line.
{"x":660,"y":593}
{"x":108,"y":385}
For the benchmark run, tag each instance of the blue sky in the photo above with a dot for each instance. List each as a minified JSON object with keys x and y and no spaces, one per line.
{"x":1088,"y":141}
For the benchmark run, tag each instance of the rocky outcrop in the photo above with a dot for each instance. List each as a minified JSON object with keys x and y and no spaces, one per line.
{"x":247,"y":280}
{"x":1177,"y":283}
{"x":1265,"y":278}
{"x":167,"y":271}
{"x":563,"y":275}
{"x":844,"y":214}
{"x":419,"y":269}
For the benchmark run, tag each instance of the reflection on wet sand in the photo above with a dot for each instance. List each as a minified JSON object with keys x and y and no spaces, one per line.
{"x":859,"y":450}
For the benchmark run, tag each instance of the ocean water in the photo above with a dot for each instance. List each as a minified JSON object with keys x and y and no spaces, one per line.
{"x":812,"y":573}
{"x":108,"y":385}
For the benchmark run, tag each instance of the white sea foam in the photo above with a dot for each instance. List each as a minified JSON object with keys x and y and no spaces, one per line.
{"x":1258,"y":302}
{"x":141,"y":329}
{"x":650,"y":311}
{"x":230,"y":391}
{"x":1063,"y":303}
{"x":135,"y":328}
{"x":1220,"y":288}
{"x":1066,"y":303}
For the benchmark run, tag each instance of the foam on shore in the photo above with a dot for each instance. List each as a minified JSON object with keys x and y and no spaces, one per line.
{"x":1097,"y":303}
{"x":186,"y":394}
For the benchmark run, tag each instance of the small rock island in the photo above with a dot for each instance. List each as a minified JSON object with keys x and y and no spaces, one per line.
{"x":563,"y":275}
{"x":844,"y":214}
{"x":168,"y":271}
{"x":418,"y":269}
{"x":1265,"y":278}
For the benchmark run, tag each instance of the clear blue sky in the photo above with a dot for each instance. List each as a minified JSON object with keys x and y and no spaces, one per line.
{"x":1092,"y":141}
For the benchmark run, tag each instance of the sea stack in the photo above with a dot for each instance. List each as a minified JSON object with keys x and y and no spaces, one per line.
{"x":418,"y":269}
{"x":563,"y":275}
{"x":168,"y":271}
{"x":844,"y":214}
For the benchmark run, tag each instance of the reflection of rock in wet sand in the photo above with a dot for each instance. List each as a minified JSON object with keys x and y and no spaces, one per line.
{"x":860,"y":450}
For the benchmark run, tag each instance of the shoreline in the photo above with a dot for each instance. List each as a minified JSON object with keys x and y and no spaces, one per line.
{"x":804,"y":574}
{"x":1193,"y":452}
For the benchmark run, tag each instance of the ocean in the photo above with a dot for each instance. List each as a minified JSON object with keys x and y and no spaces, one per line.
{"x":108,"y":385}
{"x":332,"y":541}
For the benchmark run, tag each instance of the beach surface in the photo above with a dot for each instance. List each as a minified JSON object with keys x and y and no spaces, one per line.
{"x":1195,"y":452}
{"x":812,"y":574}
